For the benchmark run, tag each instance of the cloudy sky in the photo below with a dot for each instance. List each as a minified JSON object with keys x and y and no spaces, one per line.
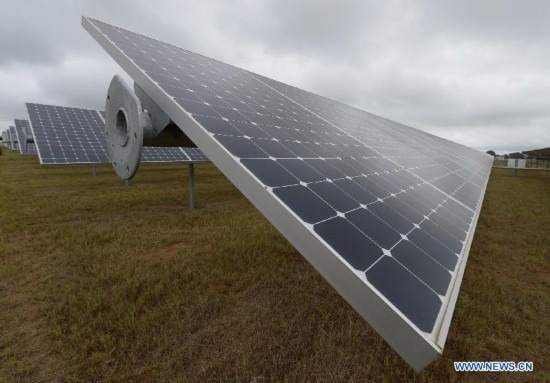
{"x":476,"y":72}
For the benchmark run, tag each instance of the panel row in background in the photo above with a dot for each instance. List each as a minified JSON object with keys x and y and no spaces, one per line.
{"x":66,"y":136}
{"x":9,"y":138}
{"x":6,"y":139}
{"x":19,"y":137}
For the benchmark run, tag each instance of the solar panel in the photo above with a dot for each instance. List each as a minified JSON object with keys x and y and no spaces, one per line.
{"x":65,"y":135}
{"x":14,"y":144}
{"x":23,"y":132}
{"x":385,"y":212}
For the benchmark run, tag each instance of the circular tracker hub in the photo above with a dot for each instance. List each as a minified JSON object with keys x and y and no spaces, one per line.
{"x":125,"y":123}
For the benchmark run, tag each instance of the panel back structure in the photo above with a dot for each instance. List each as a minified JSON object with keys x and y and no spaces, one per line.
{"x":23,"y":133}
{"x":65,"y":135}
{"x":158,"y":154}
{"x":385,"y":212}
{"x":14,"y":143}
{"x":8,"y":138}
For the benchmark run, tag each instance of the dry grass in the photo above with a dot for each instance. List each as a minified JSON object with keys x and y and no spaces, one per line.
{"x":103,"y":282}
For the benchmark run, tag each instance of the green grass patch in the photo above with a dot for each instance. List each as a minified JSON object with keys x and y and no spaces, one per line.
{"x":105,"y":282}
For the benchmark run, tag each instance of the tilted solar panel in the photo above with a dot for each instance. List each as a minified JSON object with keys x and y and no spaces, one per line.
{"x":23,"y":133}
{"x":386,"y":213}
{"x":65,"y":135}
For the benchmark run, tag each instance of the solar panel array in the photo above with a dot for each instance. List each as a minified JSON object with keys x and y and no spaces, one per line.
{"x":384,"y":211}
{"x":23,"y":130}
{"x":14,"y":144}
{"x":65,"y":135}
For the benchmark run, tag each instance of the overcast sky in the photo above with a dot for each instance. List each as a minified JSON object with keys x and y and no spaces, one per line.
{"x":476,"y":72}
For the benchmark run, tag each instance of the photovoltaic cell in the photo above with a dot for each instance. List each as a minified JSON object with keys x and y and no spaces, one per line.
{"x":23,"y":130}
{"x":67,"y":135}
{"x":384,"y":211}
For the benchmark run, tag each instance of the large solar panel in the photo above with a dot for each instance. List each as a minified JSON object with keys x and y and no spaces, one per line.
{"x":23,"y":130}
{"x":385,"y":212}
{"x":65,"y":135}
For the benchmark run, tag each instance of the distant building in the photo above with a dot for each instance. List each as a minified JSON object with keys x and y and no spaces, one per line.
{"x":536,"y":155}
{"x":518,"y":163}
{"x":543,"y":153}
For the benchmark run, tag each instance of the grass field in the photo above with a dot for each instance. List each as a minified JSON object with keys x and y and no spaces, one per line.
{"x":104,"y":282}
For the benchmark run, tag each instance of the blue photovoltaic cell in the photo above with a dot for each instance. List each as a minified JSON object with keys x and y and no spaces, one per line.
{"x":396,"y":205}
{"x":23,"y":131}
{"x":67,"y":135}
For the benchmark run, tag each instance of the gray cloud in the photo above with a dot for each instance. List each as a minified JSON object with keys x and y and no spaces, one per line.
{"x":475,"y":72}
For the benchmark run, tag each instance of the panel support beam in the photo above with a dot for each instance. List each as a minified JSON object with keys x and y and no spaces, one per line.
{"x":191,"y":186}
